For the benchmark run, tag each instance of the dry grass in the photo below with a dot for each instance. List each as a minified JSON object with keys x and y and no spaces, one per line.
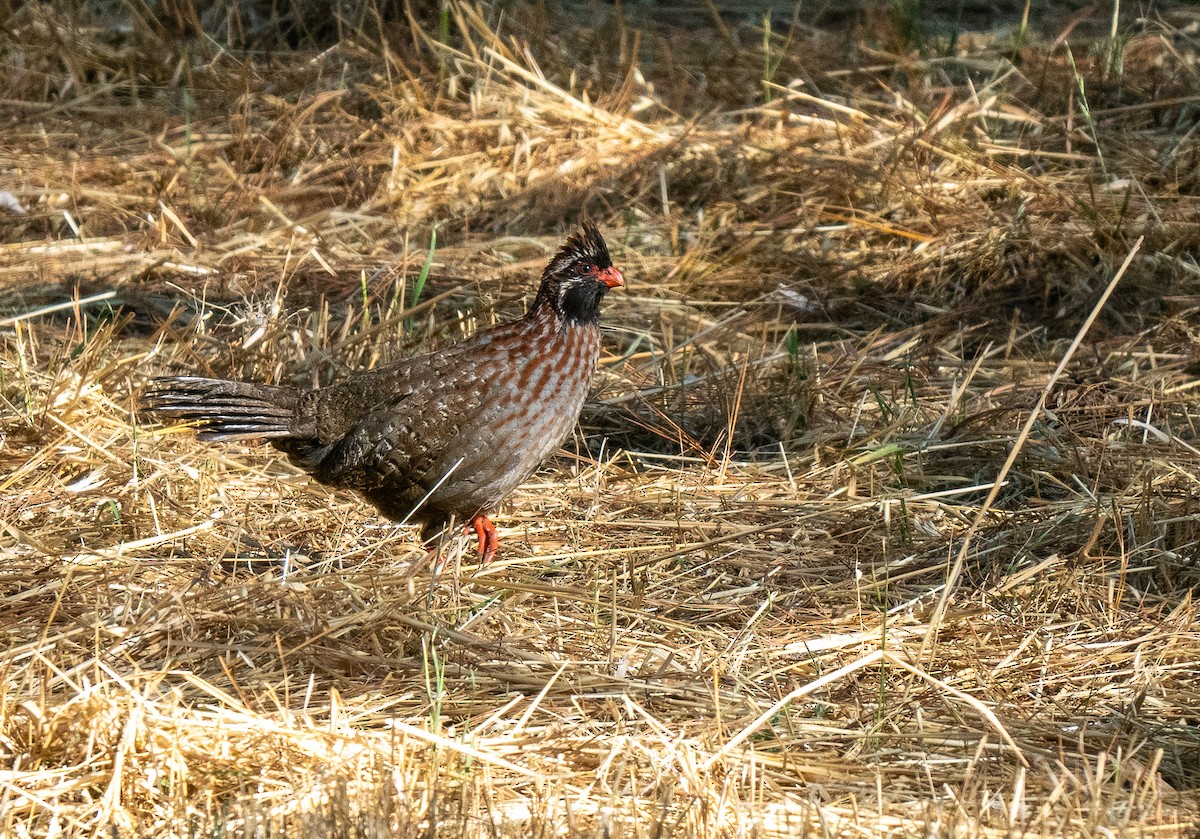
{"x":782,"y":583}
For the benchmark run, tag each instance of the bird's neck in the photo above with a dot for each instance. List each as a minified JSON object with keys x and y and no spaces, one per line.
{"x":550,"y":325}
{"x":544,"y":317}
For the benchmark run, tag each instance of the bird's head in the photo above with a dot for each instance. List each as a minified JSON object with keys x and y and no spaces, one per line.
{"x":578,"y":277}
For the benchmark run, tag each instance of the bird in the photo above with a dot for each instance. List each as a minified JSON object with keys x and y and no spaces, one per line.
{"x":440,"y":437}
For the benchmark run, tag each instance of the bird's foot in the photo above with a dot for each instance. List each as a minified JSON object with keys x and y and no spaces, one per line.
{"x":488,"y":541}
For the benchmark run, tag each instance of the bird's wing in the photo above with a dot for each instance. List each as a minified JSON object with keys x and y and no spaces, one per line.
{"x":389,"y":427}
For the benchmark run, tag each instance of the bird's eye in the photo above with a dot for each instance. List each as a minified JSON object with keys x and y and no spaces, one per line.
{"x":586,"y":267}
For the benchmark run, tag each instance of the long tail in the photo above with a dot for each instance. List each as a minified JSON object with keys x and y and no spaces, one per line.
{"x":226,"y":410}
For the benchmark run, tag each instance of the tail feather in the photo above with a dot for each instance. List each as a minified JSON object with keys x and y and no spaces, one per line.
{"x":226,"y":410}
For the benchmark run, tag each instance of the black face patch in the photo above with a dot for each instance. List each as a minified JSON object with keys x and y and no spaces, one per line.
{"x":579,"y":300}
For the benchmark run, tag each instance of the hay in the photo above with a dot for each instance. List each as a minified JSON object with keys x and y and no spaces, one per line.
{"x":776,"y":585}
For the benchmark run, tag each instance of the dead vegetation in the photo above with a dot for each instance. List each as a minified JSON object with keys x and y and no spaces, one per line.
{"x":882,"y":519}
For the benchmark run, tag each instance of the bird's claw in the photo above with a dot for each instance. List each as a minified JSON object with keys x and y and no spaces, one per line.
{"x":488,"y":541}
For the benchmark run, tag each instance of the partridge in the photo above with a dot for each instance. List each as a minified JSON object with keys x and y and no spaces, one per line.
{"x":439,"y":436}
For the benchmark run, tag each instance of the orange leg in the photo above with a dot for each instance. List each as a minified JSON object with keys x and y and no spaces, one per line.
{"x":488,"y":542}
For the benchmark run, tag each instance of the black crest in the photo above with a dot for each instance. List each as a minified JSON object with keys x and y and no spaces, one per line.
{"x":585,"y":245}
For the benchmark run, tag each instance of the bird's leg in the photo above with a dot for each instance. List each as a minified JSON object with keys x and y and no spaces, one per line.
{"x":488,"y":542}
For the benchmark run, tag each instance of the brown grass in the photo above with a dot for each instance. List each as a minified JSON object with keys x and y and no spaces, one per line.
{"x":780,"y":583}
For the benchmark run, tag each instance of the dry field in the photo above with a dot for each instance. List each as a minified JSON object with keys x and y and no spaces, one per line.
{"x":881,"y":520}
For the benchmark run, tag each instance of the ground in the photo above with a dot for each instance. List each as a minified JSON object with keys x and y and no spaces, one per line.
{"x":881,"y":518}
